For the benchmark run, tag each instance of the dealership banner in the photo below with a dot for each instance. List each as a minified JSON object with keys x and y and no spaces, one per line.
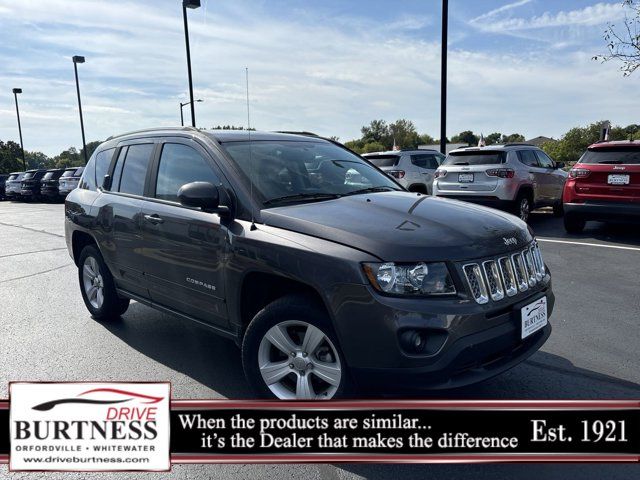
{"x":134,"y":426}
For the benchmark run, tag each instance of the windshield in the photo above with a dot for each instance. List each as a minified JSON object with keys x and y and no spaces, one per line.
{"x":12,"y":177}
{"x":285,"y":171}
{"x":383,"y":160}
{"x":613,"y":155}
{"x":28,"y":175}
{"x":68,"y":173}
{"x":48,"y":175}
{"x":474,"y":157}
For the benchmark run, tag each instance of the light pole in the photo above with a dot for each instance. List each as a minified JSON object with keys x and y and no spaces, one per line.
{"x":192,"y":4}
{"x":443,"y":78}
{"x":76,"y":60}
{"x":16,"y":91}
{"x":182,"y":105}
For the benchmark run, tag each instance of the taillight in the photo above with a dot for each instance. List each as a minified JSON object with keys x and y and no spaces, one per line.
{"x":439,"y":173}
{"x":396,"y":173}
{"x":579,"y":172}
{"x":501,"y":172}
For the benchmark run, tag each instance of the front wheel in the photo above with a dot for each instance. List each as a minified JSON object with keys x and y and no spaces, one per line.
{"x":97,"y":286}
{"x":573,"y":224}
{"x":290,"y":352}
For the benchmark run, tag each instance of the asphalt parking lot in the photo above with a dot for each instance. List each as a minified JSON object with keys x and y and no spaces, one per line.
{"x":47,"y":334}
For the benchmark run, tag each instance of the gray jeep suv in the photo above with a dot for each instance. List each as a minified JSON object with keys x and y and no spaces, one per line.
{"x":413,"y":169}
{"x":327,"y":273}
{"x":515,"y":177}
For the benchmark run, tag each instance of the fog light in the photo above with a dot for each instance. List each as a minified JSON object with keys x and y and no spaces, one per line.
{"x":413,"y":341}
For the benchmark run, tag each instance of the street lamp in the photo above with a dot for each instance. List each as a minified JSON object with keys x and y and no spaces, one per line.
{"x":76,"y":60}
{"x":192,"y":4}
{"x":443,"y":78}
{"x":16,"y":91}
{"x":182,"y":105}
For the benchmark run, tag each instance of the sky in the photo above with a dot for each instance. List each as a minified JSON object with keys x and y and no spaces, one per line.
{"x":328,"y":67}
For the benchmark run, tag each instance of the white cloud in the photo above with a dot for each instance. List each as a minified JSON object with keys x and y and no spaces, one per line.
{"x":305,"y":74}
{"x":502,"y":9}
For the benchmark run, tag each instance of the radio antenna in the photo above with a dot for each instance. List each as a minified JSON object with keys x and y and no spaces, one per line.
{"x":251,"y":177}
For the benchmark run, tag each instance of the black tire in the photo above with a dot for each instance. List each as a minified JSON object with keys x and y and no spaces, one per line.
{"x":419,"y":189}
{"x":573,"y":224}
{"x":112,"y":306}
{"x":291,"y":308}
{"x":518,"y":208}
{"x":558,"y":210}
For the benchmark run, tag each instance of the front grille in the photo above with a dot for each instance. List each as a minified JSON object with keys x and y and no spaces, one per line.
{"x":505,"y":276}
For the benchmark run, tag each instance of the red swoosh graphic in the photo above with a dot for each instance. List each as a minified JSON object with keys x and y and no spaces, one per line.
{"x":149,"y":398}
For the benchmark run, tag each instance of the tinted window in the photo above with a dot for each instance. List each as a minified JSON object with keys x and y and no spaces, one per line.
{"x":117,"y":171}
{"x":103,"y":160}
{"x":384,"y":160}
{"x":425,"y":161}
{"x":135,"y":169}
{"x":612,"y":155}
{"x":28,"y":175}
{"x":12,"y":177}
{"x":180,"y":165}
{"x":528,"y":157}
{"x":544,"y":160}
{"x":48,"y":176}
{"x":68,"y":173}
{"x":88,"y":180}
{"x":475,"y":157}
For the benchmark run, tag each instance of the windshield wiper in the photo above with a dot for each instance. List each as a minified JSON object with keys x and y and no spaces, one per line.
{"x":302,"y":196}
{"x":373,"y":190}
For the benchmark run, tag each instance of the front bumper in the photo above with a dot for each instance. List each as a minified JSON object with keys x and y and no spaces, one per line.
{"x":50,"y":191}
{"x":604,"y":211}
{"x":474,"y":342}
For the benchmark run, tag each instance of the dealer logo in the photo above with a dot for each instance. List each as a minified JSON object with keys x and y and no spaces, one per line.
{"x":89,"y":426}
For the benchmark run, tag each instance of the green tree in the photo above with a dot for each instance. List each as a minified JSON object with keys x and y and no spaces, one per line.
{"x":376,"y":131}
{"x":427,"y":139}
{"x":513,"y":138}
{"x":623,"y":44}
{"x":372,"y":147}
{"x":467,"y":137}
{"x":10,"y":157}
{"x":404,"y":134}
{"x":493,"y":138}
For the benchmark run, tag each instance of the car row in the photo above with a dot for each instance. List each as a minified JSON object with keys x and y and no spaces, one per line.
{"x":40,"y":184}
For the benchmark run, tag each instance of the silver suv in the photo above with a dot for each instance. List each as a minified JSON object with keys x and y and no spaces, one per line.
{"x":515,"y":177}
{"x":413,"y":169}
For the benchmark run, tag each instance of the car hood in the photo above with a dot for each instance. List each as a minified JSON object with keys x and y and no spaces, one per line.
{"x":405,"y":227}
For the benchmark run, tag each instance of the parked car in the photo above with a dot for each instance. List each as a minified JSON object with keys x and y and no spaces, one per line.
{"x":31,"y":184}
{"x":69,"y":180}
{"x":515,"y":177}
{"x":49,"y":188}
{"x":413,"y":169}
{"x":13,"y":185}
{"x":3,"y":180}
{"x":604,"y":185}
{"x":326,"y":286}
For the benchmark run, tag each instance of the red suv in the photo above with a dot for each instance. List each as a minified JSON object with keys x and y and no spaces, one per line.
{"x":604,"y":185}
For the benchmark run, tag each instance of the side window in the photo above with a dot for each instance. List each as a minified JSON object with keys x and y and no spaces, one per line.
{"x":545,"y":161}
{"x":179,"y":165}
{"x":134,"y":171}
{"x":117,"y":171}
{"x":528,"y":157}
{"x":425,"y":161}
{"x":88,"y":180}
{"x":103,"y":160}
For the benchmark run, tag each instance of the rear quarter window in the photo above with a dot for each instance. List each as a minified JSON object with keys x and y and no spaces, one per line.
{"x":612,"y":155}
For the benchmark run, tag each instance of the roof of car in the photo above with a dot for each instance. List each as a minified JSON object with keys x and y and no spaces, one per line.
{"x":614,"y":143}
{"x":499,"y":147}
{"x":399,"y":152}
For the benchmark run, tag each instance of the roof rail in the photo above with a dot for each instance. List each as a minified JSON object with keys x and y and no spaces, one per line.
{"x":518,"y":144}
{"x":144,"y":130}
{"x":307,"y":134}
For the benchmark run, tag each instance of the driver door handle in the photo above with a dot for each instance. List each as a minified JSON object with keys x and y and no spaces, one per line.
{"x":155,"y":219}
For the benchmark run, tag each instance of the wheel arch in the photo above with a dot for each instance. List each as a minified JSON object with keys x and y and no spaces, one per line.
{"x":79,"y":240}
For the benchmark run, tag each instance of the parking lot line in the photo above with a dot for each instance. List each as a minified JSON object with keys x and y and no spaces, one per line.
{"x":618,"y":247}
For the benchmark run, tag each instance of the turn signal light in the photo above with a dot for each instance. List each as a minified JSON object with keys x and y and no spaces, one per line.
{"x":396,"y":173}
{"x":501,"y":172}
{"x":579,"y":172}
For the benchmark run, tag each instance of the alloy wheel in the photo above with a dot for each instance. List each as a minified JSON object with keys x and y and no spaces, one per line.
{"x":298,"y":361}
{"x":525,"y":209}
{"x":93,"y":282}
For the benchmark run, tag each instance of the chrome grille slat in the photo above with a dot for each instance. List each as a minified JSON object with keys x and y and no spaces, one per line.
{"x":508,"y":275}
{"x":494,"y":282}
{"x":476,"y":282}
{"x":521,"y":273}
{"x":531,"y":272}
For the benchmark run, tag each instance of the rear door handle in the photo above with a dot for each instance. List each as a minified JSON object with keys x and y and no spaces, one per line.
{"x":155,"y":219}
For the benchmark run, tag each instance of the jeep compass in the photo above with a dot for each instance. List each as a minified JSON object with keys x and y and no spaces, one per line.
{"x":325,"y":271}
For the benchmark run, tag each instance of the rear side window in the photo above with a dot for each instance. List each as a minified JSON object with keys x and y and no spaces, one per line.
{"x":475,"y":157}
{"x":103,"y":160}
{"x":384,"y":160}
{"x":134,"y":171}
{"x":179,"y":165}
{"x":613,"y":155}
{"x":429,"y":161}
{"x":528,"y":157}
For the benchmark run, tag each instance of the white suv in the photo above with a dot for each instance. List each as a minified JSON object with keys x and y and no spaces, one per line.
{"x":413,"y":169}
{"x":515,"y":177}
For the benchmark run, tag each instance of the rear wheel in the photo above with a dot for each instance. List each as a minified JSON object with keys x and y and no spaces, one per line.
{"x":97,"y":286}
{"x":558,"y":209}
{"x":522,"y":206}
{"x":573,"y":224}
{"x":290,"y":352}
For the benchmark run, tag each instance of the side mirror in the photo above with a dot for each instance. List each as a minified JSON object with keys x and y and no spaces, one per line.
{"x":202,"y":195}
{"x":560,"y":165}
{"x":106,"y":182}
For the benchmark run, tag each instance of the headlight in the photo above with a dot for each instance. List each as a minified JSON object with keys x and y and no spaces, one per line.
{"x":410,"y":279}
